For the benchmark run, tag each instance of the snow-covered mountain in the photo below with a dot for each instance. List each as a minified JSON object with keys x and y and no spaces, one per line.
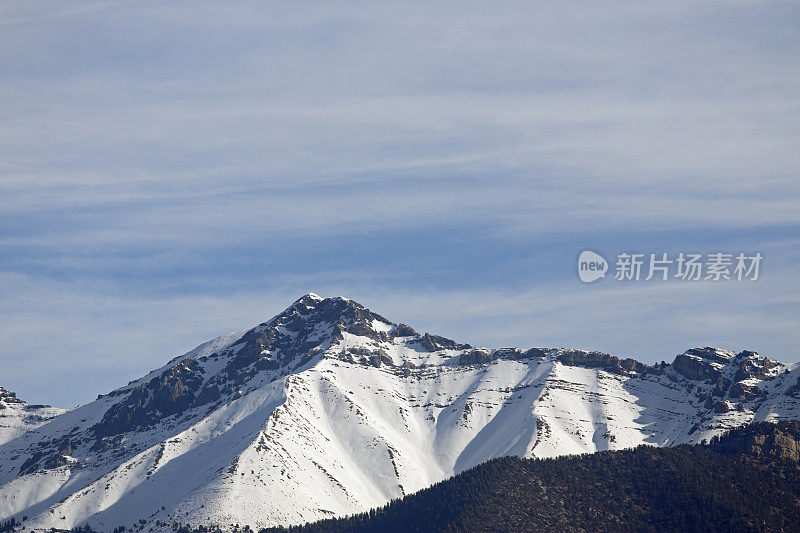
{"x":329,"y":408}
{"x":17,"y":417}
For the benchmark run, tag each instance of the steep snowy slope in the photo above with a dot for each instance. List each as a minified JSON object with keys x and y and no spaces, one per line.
{"x":17,"y":417}
{"x":328,"y":409}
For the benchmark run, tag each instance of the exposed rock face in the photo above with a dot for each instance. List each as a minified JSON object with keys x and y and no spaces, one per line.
{"x":52,"y":454}
{"x":31,"y":464}
{"x":478,"y":356}
{"x":434,"y":343}
{"x":513,"y":354}
{"x":711,"y":354}
{"x":475,"y":357}
{"x":403,"y":330}
{"x":170,"y":393}
{"x":602,"y":360}
{"x":753,"y":366}
{"x":61,"y":455}
{"x":721,"y":407}
{"x":288,"y":336}
{"x":379,"y":359}
{"x":721,"y":386}
{"x":698,"y":364}
{"x":9,"y":398}
{"x":778,"y":441}
{"x":536,"y":353}
{"x":743,"y":392}
{"x":794,"y":390}
{"x":734,"y":380}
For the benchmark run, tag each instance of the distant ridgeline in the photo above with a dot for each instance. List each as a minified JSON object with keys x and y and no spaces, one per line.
{"x":746,"y":480}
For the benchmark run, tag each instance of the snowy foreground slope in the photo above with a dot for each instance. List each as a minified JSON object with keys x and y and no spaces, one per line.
{"x":330,"y":409}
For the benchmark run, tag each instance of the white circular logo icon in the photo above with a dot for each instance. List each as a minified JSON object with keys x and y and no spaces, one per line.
{"x":591,"y":266}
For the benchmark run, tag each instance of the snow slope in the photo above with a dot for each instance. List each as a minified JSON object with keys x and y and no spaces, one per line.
{"x":329,"y":409}
{"x":17,"y":417}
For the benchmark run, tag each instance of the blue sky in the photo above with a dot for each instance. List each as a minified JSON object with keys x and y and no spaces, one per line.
{"x":172,"y":172}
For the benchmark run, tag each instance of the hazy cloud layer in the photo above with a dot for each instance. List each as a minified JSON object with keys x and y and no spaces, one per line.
{"x":170,"y":172}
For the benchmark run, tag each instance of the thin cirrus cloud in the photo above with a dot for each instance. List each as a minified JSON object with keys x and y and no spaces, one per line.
{"x":202,"y":165}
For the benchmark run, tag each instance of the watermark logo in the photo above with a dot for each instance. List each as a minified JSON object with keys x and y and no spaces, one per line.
{"x":683,"y":266}
{"x":591,"y":266}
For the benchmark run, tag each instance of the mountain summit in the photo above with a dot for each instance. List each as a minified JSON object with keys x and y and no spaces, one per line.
{"x":329,"y":409}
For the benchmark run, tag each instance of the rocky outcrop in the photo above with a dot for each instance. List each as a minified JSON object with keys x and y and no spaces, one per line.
{"x":31,"y":464}
{"x":535,"y":353}
{"x":170,"y":393}
{"x":779,"y":440}
{"x":707,"y":365}
{"x":721,"y":407}
{"x":794,"y":390}
{"x":743,"y":392}
{"x":8,"y":398}
{"x":581,"y":358}
{"x":721,"y":386}
{"x":484,"y":355}
{"x":711,"y":354}
{"x":434,"y":343}
{"x":379,"y":359}
{"x":476,"y":356}
{"x":403,"y":330}
{"x":513,"y":354}
{"x":695,"y":368}
{"x":751,"y":366}
{"x":52,"y":454}
{"x":602,"y":360}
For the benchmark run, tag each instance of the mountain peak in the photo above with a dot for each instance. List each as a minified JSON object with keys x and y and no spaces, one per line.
{"x":709,"y":363}
{"x":312,"y":304}
{"x":308,"y":298}
{"x":227,"y":368}
{"x":8,"y":397}
{"x":283,"y":411}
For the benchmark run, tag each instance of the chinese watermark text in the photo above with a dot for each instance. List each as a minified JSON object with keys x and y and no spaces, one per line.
{"x":683,"y":266}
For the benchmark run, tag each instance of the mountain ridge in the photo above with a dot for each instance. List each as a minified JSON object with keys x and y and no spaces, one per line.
{"x":328,"y":409}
